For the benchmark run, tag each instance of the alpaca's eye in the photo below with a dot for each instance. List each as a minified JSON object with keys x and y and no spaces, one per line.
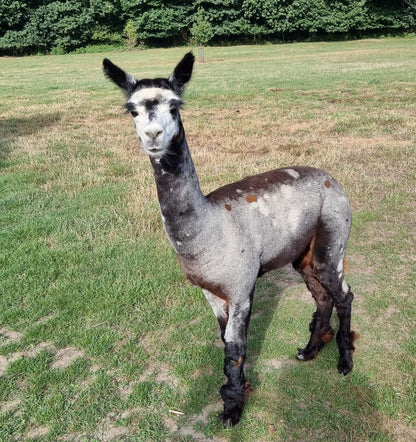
{"x":134,"y":114}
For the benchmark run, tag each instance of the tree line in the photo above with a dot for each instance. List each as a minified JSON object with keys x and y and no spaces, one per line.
{"x":60,"y":26}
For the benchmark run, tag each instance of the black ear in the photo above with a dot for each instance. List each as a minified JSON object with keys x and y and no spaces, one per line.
{"x":183,"y":71}
{"x":120,"y":78}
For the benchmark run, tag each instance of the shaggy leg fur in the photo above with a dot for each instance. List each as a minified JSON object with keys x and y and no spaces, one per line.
{"x":321,"y":331}
{"x":345,"y":337}
{"x":236,"y":389}
{"x":321,"y":266}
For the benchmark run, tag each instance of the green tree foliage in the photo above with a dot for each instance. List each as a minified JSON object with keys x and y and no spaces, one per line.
{"x":32,"y":26}
{"x":61,"y":26}
{"x":11,"y":14}
{"x":285,"y":17}
{"x":130,"y":34}
{"x":392,"y":16}
{"x":158,"y":21}
{"x":201,"y":30}
{"x":224,"y":15}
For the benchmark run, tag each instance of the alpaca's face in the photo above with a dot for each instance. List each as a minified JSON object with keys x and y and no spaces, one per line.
{"x":155,"y":113}
{"x":154,"y":104}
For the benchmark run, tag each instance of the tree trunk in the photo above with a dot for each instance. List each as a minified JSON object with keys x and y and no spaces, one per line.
{"x":201,"y":54}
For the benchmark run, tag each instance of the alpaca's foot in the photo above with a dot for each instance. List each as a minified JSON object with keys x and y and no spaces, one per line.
{"x":315,"y":345}
{"x":345,"y":362}
{"x":233,"y":404}
{"x":232,"y":416}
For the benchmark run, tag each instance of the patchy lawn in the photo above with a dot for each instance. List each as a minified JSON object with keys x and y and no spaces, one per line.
{"x":101,"y":337}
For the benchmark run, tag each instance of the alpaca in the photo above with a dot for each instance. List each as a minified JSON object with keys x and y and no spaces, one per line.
{"x":225,"y":240}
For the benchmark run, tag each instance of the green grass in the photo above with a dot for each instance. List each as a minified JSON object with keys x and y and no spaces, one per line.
{"x":100,"y":334}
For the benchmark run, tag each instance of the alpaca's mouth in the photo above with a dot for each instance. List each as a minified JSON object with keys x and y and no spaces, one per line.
{"x":153,"y":145}
{"x":154,"y":152}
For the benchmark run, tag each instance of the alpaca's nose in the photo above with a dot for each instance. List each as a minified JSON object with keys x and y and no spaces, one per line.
{"x":153,"y":131}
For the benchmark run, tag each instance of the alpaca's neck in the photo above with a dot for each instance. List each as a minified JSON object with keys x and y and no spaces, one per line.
{"x":182,"y":204}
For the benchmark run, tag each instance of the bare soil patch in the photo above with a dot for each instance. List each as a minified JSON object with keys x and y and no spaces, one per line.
{"x":38,"y":433}
{"x":202,"y":418}
{"x":107,"y":431}
{"x":12,"y":405}
{"x":160,"y":372}
{"x":10,"y":335}
{"x":65,"y":357}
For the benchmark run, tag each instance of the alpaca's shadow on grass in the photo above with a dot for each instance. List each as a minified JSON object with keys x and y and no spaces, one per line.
{"x":13,"y":128}
{"x":20,"y":127}
{"x":270,"y":290}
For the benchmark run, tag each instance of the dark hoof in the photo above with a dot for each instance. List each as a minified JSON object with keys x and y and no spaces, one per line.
{"x":230,"y":418}
{"x":344,"y":370}
{"x":300,"y":356}
{"x":233,"y":404}
{"x":345,"y":365}
{"x":305,"y":354}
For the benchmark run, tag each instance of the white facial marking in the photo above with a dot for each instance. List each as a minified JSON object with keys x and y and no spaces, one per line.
{"x":157,"y":126}
{"x":292,"y":173}
{"x":150,"y":93}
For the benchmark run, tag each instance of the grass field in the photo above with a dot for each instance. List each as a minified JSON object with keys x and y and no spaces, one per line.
{"x":101,"y":337}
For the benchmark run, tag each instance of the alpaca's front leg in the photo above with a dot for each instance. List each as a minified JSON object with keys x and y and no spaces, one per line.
{"x":236,"y":389}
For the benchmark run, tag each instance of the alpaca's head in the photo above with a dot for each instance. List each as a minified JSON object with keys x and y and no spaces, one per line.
{"x":154,"y":104}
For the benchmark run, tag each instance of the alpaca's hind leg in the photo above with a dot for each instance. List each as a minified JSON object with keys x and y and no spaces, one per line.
{"x":321,"y":331}
{"x":345,"y":337}
{"x":328,"y":263}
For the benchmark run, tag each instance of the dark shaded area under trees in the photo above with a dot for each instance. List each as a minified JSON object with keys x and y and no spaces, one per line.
{"x":44,"y":26}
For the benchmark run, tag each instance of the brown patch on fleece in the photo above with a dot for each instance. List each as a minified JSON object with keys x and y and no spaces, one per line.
{"x":327,"y":336}
{"x":238,"y":363}
{"x":306,"y":258}
{"x":251,"y":198}
{"x":353,"y":336}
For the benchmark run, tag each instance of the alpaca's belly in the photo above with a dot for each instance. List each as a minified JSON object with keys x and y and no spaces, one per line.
{"x":277,"y":254}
